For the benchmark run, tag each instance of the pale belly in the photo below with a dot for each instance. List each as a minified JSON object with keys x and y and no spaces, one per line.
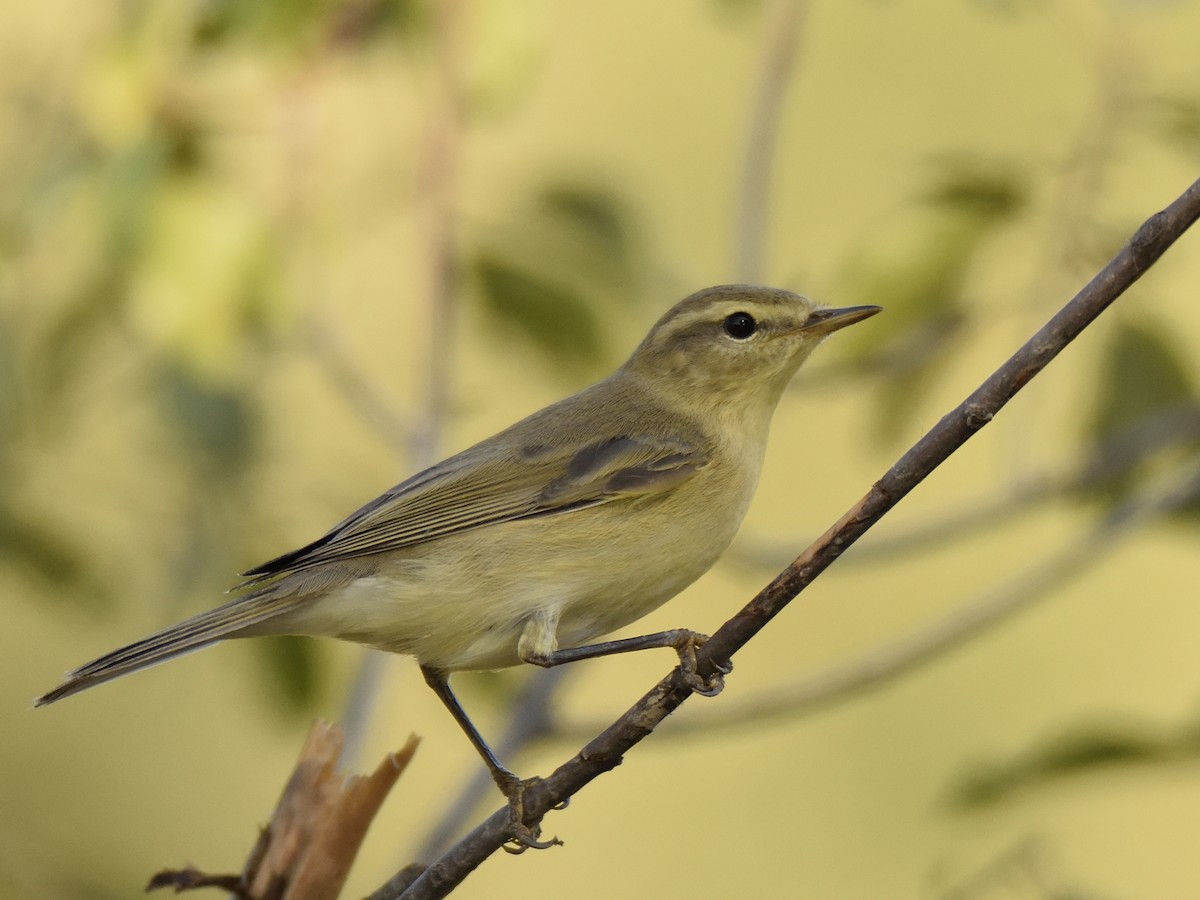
{"x":462,"y":602}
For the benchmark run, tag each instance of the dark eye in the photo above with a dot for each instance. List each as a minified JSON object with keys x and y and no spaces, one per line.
{"x":740,"y":326}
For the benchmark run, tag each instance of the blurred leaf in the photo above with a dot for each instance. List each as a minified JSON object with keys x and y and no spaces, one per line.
{"x":10,"y":401}
{"x":1142,"y":376}
{"x":259,"y":289}
{"x":555,"y":317}
{"x":41,"y":551}
{"x":67,"y":348}
{"x":585,"y":232}
{"x":737,"y":11}
{"x":1178,"y":120}
{"x":293,"y":673}
{"x":129,"y":181}
{"x":360,"y":21}
{"x":214,"y":424}
{"x":1080,"y":752}
{"x":919,"y":274}
{"x":1012,"y":7}
{"x":302,"y":23}
{"x":550,"y":267}
{"x":272,"y":21}
{"x":992,"y":192}
{"x":595,"y":211}
{"x":495,"y":687}
{"x":181,"y":132}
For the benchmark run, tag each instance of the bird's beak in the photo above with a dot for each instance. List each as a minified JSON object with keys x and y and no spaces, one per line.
{"x":826,"y":321}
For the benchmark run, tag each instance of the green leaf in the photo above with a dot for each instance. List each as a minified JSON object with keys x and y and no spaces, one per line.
{"x":214,"y":424}
{"x":294,"y":671}
{"x":554,"y":316}
{"x":993,"y":192}
{"x":549,"y":266}
{"x":919,"y":270}
{"x":1143,"y":377}
{"x":77,"y":336}
{"x":1080,"y":752}
{"x":301,"y":23}
{"x":1177,"y":119}
{"x":594,"y":216}
{"x":737,"y":11}
{"x":41,"y":551}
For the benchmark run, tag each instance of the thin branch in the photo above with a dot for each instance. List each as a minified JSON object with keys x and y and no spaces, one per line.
{"x":970,"y":620}
{"x":439,"y":188}
{"x":1120,"y":454}
{"x":783,"y":22}
{"x":605,"y":752}
{"x":328,"y":350}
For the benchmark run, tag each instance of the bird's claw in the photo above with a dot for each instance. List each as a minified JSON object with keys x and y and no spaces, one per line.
{"x":523,"y":837}
{"x":706,"y":687}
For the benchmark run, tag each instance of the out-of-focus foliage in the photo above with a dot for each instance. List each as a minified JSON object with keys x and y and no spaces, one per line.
{"x":548,"y":270}
{"x":1178,"y":119}
{"x":292,"y":667}
{"x":1145,"y":409}
{"x":1075,"y":751}
{"x":297,"y":25}
{"x":127,"y":238}
{"x":922,"y":277}
{"x":190,"y":191}
{"x":216,"y":426}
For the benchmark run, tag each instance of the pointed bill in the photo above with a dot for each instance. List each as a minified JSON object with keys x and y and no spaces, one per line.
{"x":824,"y":320}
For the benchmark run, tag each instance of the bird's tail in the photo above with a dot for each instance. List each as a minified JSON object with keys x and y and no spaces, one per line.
{"x":199,"y":631}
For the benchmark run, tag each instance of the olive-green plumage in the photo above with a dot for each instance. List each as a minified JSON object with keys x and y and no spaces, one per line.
{"x":572,"y":523}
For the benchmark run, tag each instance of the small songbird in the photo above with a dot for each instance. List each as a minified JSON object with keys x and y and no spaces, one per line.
{"x":570,"y":524}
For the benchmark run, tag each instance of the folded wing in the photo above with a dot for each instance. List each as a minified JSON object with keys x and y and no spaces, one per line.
{"x":494,"y":483}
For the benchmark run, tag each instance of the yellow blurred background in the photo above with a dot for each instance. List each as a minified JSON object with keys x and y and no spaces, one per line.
{"x":259,"y":262}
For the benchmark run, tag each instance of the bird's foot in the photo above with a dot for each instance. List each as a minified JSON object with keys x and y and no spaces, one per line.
{"x":522,"y":837}
{"x":707,"y":687}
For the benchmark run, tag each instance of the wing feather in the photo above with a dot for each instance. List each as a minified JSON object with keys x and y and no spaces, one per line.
{"x":492,"y":483}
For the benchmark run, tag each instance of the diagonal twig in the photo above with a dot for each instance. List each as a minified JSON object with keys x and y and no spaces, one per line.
{"x":784,"y":23}
{"x":949,"y":632}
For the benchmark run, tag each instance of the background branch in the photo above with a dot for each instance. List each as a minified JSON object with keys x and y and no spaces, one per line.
{"x":783,"y":22}
{"x":948,"y":633}
{"x":439,"y":191}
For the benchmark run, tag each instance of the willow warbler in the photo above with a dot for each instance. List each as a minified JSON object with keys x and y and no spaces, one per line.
{"x":572,"y":523}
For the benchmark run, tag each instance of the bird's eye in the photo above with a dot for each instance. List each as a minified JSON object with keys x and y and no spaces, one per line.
{"x":740,"y":325}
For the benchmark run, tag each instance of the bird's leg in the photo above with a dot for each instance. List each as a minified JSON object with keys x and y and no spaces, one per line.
{"x":539,"y":647}
{"x":523,"y":836}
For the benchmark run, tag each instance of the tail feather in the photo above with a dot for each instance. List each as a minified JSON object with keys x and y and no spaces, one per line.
{"x":187,"y":636}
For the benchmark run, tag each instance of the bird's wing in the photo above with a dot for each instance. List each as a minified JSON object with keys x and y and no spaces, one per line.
{"x":488,"y":484}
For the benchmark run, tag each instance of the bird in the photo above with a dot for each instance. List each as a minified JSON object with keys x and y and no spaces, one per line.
{"x":530,"y":545}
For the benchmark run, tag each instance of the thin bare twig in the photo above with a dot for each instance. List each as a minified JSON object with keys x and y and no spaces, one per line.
{"x":327,"y":350}
{"x":779,"y":59}
{"x":606,"y":751}
{"x":439,"y":188}
{"x":968,"y":621}
{"x":1120,"y":454}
